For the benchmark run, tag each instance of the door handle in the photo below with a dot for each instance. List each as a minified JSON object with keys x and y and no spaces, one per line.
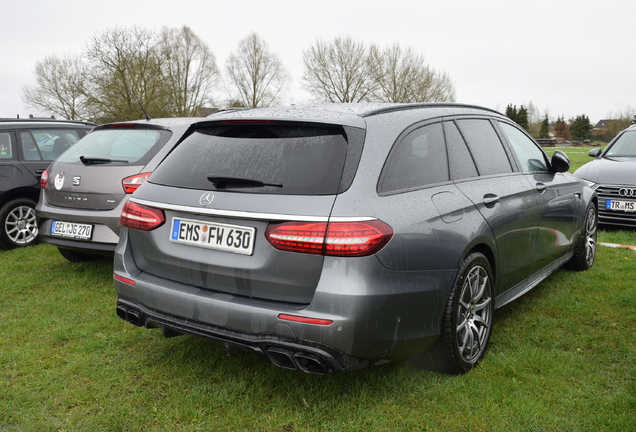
{"x":541,"y":187}
{"x":39,"y":171}
{"x":490,"y":200}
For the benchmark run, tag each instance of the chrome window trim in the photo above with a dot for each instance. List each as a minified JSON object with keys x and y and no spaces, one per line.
{"x":250,"y":215}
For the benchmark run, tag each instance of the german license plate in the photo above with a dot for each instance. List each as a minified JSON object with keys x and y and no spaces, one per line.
{"x":222,"y":237}
{"x":71,"y":230}
{"x":629,"y":206}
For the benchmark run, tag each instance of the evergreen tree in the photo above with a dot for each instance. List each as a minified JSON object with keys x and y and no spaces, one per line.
{"x":545,"y":128}
{"x":511,"y":112}
{"x":522,"y":118}
{"x":581,"y":128}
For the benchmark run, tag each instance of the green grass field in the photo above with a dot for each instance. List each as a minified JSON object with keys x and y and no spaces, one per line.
{"x":562,"y":358}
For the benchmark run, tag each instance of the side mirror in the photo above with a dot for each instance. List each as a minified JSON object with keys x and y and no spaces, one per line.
{"x":560,"y":161}
{"x":595,"y":152}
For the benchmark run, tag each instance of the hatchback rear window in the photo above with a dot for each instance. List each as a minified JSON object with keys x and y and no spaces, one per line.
{"x":269,"y":158}
{"x":120,"y":146}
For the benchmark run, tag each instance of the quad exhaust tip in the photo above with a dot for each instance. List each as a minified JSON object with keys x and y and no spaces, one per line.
{"x":133,"y":316}
{"x":305,"y":361}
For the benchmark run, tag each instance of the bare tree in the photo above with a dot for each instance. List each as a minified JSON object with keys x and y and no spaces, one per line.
{"x":402,"y":75}
{"x":126,"y":75}
{"x":338,"y":71}
{"x":257,"y":76}
{"x":619,"y":121}
{"x":189,"y":68}
{"x":59,"y":88}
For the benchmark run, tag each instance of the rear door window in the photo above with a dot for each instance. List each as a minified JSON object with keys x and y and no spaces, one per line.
{"x":271,"y":158}
{"x":485,"y":146}
{"x":47,"y":144}
{"x":416,"y":161}
{"x":460,"y":161}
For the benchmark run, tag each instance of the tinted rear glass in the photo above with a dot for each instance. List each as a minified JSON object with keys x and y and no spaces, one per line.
{"x":292,"y":159}
{"x":485,"y":146}
{"x":122,"y":146}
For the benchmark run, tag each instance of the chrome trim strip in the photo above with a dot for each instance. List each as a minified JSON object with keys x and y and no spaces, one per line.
{"x":249,"y":215}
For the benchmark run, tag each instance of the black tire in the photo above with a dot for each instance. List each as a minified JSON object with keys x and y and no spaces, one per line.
{"x":18,"y":225}
{"x":585,"y":249}
{"x":77,"y":256}
{"x":468,"y":318}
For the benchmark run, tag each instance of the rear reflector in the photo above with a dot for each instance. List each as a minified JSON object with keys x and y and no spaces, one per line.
{"x":347,"y":239}
{"x":131,"y":183}
{"x":304,"y":320}
{"x":123,"y":279}
{"x":141,"y":217}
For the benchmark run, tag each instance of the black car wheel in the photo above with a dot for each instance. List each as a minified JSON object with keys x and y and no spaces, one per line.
{"x":467,"y":321}
{"x":19,"y":225}
{"x":585,"y":249}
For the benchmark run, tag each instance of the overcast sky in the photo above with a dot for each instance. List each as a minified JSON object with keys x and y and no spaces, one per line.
{"x":567,"y":57}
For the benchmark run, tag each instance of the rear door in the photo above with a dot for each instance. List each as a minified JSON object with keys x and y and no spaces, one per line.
{"x":89,"y":176}
{"x":501,"y":195}
{"x":229,"y":182}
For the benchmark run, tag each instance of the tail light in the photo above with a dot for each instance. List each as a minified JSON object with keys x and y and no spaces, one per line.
{"x":141,"y":217}
{"x":131,"y":183}
{"x":347,"y":239}
{"x":43,"y":179}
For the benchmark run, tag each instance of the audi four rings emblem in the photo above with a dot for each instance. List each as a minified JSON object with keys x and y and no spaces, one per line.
{"x":625,"y":192}
{"x":206,"y":199}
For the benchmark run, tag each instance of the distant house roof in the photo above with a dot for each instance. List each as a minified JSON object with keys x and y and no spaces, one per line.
{"x":604,"y":124}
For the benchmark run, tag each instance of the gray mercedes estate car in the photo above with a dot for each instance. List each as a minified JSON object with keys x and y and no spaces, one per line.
{"x":331,"y":237}
{"x":612,"y":174}
{"x":84,"y":190}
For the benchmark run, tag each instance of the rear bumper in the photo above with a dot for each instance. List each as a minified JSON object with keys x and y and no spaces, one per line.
{"x":105,"y":233}
{"x":376,"y":314}
{"x":282,"y":351}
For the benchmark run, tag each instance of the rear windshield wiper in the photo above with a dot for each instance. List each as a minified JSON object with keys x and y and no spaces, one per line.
{"x":94,"y":161}
{"x":222,"y":182}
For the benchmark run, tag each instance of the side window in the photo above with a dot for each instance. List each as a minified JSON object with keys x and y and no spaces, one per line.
{"x":417,"y":160}
{"x":30,"y":149}
{"x":531,"y":157}
{"x":485,"y":146}
{"x":52,"y":142}
{"x":459,"y":159}
{"x":6,"y":147}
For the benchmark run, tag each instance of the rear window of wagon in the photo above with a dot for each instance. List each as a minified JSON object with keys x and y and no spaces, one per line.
{"x":261,"y":157}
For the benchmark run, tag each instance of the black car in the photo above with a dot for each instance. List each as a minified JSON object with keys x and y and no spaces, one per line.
{"x":330,"y":237}
{"x":613,"y":175}
{"x":27,"y":147}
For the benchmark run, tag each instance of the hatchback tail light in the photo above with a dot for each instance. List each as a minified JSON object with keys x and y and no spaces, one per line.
{"x":131,"y":183}
{"x":141,"y":217}
{"x":43,"y":179}
{"x":347,"y":239}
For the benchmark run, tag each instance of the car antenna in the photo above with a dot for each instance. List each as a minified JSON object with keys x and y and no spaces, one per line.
{"x":142,"y":108}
